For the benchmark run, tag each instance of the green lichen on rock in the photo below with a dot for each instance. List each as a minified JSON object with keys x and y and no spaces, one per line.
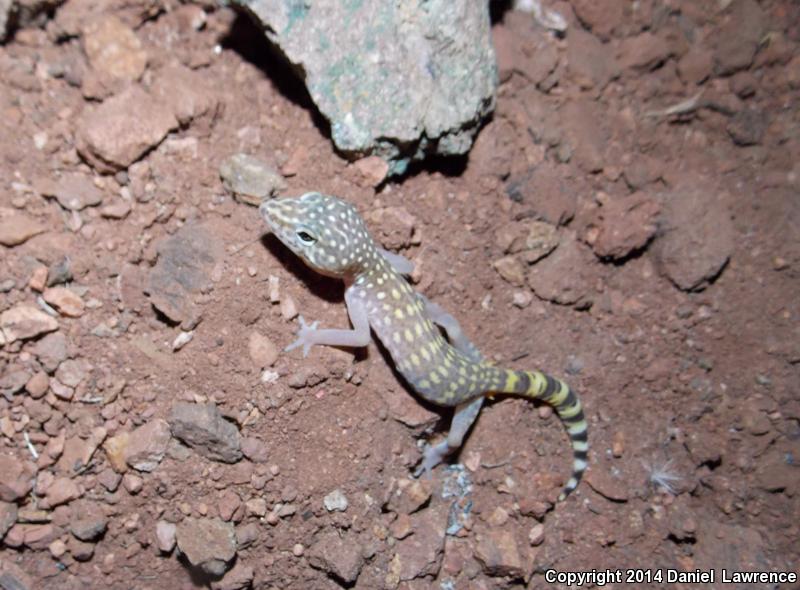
{"x":401,"y":79}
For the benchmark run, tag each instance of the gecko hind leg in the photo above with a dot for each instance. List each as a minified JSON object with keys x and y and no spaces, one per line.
{"x":466,"y":412}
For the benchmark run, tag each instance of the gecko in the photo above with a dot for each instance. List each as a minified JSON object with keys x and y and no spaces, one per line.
{"x":330,"y":237}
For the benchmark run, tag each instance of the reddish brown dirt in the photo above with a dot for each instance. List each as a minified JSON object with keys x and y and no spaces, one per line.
{"x":701,"y":383}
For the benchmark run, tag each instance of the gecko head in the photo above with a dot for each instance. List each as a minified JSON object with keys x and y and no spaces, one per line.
{"x":326,"y":232}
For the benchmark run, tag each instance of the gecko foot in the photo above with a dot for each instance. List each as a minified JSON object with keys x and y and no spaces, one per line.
{"x":432,"y":455}
{"x":305,"y":337}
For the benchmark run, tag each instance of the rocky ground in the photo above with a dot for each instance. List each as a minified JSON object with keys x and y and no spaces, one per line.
{"x":628,"y":220}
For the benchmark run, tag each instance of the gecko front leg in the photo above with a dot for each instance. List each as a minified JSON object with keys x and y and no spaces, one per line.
{"x":310,"y":335}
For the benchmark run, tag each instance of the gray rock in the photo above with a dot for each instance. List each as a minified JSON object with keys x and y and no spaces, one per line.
{"x":247,"y":176}
{"x":336,"y":501}
{"x":13,"y":381}
{"x":8,"y":516}
{"x":202,"y":427}
{"x":185,"y":261}
{"x":208,"y":543}
{"x":5,"y":12}
{"x":698,"y":240}
{"x":428,"y":70}
{"x":51,"y":351}
{"x":88,"y":520}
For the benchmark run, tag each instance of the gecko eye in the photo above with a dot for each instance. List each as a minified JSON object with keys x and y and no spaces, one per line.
{"x":306,"y":237}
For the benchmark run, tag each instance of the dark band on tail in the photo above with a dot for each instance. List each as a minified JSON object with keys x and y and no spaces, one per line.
{"x":568,"y":407}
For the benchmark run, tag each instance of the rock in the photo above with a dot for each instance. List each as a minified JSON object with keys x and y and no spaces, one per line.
{"x":407,"y":496}
{"x":202,"y":427}
{"x":585,"y":135}
{"x":208,"y":543}
{"x":115,"y":134}
{"x":644,"y":52}
{"x":5,"y":12}
{"x":147,"y":445}
{"x":624,"y":225}
{"x":88,"y":521}
{"x":643,"y":170}
{"x":229,"y":503}
{"x":165,"y":536}
{"x":109,"y":479}
{"x":23,"y":322}
{"x":62,"y":491}
{"x":420,"y":554}
{"x":600,"y":18}
{"x":78,"y":452}
{"x":429,"y":74}
{"x":67,"y":302}
{"x":240,"y":577}
{"x":8,"y":516}
{"x":188,"y":93}
{"x":80,"y":550}
{"x":256,"y":507}
{"x":50,"y":350}
{"x":250,"y":178}
{"x":17,"y":229}
{"x":548,"y":279}
{"x":536,"y":535}
{"x":13,"y":382}
{"x":511,"y":269}
{"x":119,"y":209}
{"x":590,"y":63}
{"x":336,"y":501}
{"x":132,"y":483}
{"x":339,"y":556}
{"x":612,"y":485}
{"x":115,"y":448}
{"x":247,"y":534}
{"x":739,"y":36}
{"x":497,"y":552}
{"x":698,"y":239}
{"x":776,"y":474}
{"x":748,"y":126}
{"x":263,"y":351}
{"x":38,"y":384}
{"x":72,"y":372}
{"x":696,"y":65}
{"x":373,"y":170}
{"x":73,"y":191}
{"x":113,"y":49}
{"x":254,"y":449}
{"x":185,"y":262}
{"x":36,"y":536}
{"x":544,"y":190}
{"x":538,"y":240}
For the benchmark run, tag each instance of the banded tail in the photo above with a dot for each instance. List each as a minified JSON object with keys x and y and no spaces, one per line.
{"x":540,"y":386}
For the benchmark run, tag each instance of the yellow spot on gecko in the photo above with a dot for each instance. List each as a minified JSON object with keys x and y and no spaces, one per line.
{"x":398,"y":313}
{"x":395,"y":294}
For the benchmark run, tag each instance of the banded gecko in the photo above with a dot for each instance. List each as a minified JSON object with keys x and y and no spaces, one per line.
{"x":330,"y":236}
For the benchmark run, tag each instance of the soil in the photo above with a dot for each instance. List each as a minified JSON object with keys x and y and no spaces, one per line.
{"x":658,"y":146}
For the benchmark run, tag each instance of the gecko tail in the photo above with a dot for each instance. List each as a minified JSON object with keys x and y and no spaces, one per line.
{"x":556,"y":393}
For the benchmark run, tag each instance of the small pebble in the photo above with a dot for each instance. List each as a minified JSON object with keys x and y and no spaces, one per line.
{"x":536,"y":535}
{"x":298,"y":550}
